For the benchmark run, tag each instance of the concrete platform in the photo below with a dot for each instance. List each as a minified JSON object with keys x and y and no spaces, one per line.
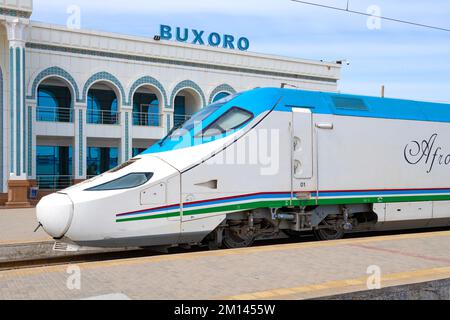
{"x":287,"y":271}
{"x":19,"y":242}
{"x":17,"y":226}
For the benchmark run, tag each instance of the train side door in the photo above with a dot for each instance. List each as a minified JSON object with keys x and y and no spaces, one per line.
{"x":302,"y":152}
{"x":164,"y":195}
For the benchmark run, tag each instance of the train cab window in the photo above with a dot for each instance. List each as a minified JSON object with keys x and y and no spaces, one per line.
{"x":128,"y":181}
{"x":230,"y":120}
{"x":199,"y":117}
{"x":205,"y":113}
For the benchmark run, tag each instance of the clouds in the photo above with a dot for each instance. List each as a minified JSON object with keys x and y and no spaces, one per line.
{"x":401,"y":56}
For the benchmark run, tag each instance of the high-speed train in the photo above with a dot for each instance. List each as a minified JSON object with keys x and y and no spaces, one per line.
{"x":269,"y":163}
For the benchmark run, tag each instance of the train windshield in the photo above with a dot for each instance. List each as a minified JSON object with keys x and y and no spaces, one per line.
{"x":131,"y":180}
{"x":230,"y":120}
{"x":198,"y":118}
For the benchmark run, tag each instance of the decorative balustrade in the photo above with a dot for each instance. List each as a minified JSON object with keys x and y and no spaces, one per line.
{"x":49,"y":182}
{"x":145,"y":119}
{"x":103,"y":117}
{"x":52,"y":114}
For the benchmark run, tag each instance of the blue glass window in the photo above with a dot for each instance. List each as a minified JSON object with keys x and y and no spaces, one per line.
{"x":102,"y":107}
{"x":179,"y":111}
{"x":220,"y":96}
{"x":54,"y":104}
{"x":131,"y":180}
{"x":53,"y":166}
{"x":138,"y":151}
{"x":197,"y":119}
{"x":230,"y":120}
{"x":146,"y":110}
{"x":100,"y":160}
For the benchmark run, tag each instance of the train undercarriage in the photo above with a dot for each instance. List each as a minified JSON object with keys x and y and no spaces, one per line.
{"x":242,"y":229}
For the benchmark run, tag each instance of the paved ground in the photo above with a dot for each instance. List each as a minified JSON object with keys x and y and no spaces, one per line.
{"x":287,"y":271}
{"x":17,"y":226}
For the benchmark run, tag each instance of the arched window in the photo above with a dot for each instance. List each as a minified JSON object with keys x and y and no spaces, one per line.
{"x":187,"y":102}
{"x":102,"y":106}
{"x":220,"y":96}
{"x":47,"y":98}
{"x":54,"y":103}
{"x":146,"y":109}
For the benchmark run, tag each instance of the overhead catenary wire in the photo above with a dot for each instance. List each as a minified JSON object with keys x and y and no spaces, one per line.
{"x":371,"y":15}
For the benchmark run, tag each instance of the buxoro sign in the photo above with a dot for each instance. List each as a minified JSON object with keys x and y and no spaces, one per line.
{"x":199,"y":37}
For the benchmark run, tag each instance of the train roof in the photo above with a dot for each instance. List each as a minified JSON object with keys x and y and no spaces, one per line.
{"x":261,"y":100}
{"x":363,"y":106}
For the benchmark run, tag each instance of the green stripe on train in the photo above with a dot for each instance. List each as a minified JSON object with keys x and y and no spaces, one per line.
{"x":284,"y":203}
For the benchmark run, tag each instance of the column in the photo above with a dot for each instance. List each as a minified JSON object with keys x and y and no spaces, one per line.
{"x":126,"y":141}
{"x":18,"y":183}
{"x":80,"y":143}
{"x":168,"y":120}
{"x":31,"y":106}
{"x":3,"y":132}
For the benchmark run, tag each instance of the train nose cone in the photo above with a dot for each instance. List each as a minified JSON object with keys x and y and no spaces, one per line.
{"x":54,"y":213}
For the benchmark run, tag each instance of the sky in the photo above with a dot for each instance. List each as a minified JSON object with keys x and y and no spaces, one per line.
{"x":412,"y":62}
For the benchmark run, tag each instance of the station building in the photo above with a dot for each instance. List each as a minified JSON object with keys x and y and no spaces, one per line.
{"x":76,"y":103}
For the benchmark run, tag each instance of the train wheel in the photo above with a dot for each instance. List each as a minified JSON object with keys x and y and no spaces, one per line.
{"x":237,"y":238}
{"x":328,"y":234}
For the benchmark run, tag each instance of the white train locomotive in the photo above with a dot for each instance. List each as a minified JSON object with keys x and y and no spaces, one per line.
{"x":269,"y":163}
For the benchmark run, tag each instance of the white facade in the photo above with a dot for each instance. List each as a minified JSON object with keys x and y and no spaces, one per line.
{"x":34,"y":54}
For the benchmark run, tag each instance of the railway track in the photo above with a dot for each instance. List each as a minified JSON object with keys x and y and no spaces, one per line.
{"x":140,"y":253}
